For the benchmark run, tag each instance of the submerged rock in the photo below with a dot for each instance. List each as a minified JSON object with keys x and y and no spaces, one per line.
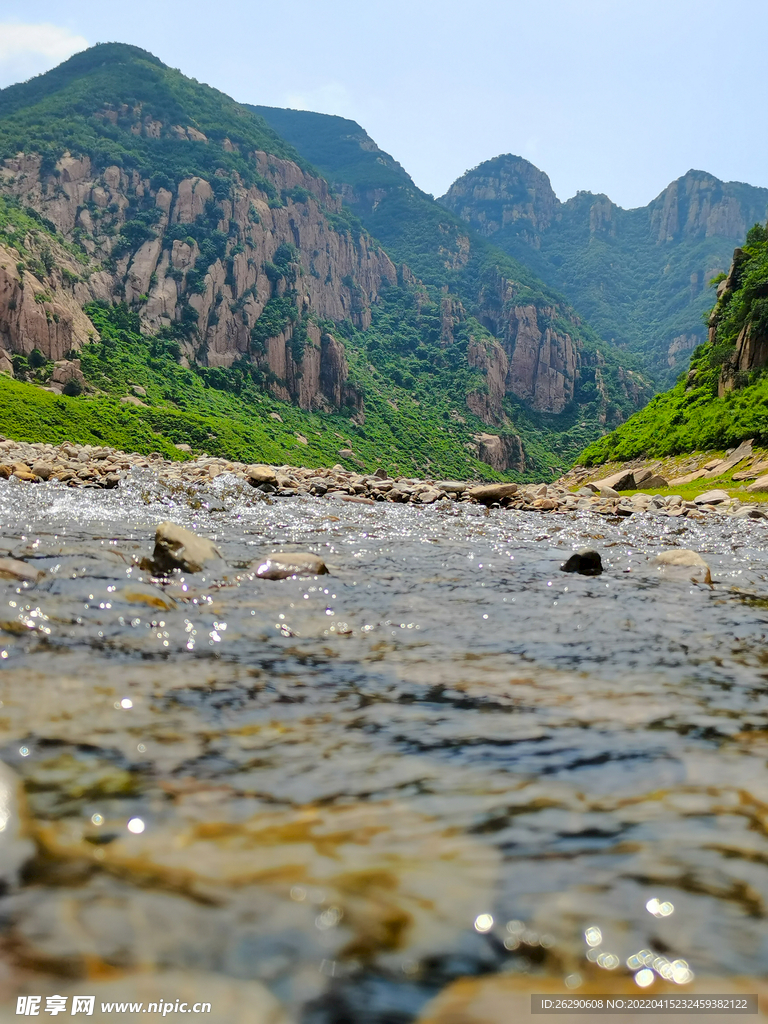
{"x":290,"y":563}
{"x":14,"y":569}
{"x":683,"y":558}
{"x":587,"y":561}
{"x":15,"y":848}
{"x":140,"y":593}
{"x":178,"y":548}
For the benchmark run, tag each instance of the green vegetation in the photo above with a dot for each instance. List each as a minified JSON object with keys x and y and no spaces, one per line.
{"x":120,"y":106}
{"x":226,"y":412}
{"x":691,"y":415}
{"x":451,"y":259}
{"x":89,"y":104}
{"x":339,"y":148}
{"x":638,"y":276}
{"x":22,"y":228}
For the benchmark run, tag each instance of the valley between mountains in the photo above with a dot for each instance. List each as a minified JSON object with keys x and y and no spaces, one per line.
{"x":267,"y":285}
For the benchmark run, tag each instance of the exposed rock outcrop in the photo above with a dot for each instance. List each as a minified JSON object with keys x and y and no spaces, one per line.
{"x":542,"y":360}
{"x":332,"y":274}
{"x":501,"y":452}
{"x":35,"y":316}
{"x":491,"y":359}
{"x":510,"y":191}
{"x":698,"y":205}
{"x":640,"y":275}
{"x":680,"y":348}
{"x":750,"y":351}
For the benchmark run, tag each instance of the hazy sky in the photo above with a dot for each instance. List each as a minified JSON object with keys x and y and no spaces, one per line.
{"x":606,"y":95}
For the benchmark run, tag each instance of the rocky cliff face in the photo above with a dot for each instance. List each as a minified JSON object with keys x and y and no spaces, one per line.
{"x":698,"y":205}
{"x":245,"y":245}
{"x":750,"y":346}
{"x":681,"y":347}
{"x":45,"y":316}
{"x":541,"y":362}
{"x":504,"y":192}
{"x":509,"y":190}
{"x":639,"y":276}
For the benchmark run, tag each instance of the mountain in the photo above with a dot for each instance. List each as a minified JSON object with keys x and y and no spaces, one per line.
{"x":365,"y":315}
{"x":723,"y":399}
{"x":546,"y":371}
{"x":639,"y":276}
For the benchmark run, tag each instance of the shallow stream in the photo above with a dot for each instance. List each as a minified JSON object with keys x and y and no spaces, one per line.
{"x":445,"y":758}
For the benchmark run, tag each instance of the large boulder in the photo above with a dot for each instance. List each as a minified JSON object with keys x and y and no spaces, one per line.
{"x":653,"y":482}
{"x":66,"y":370}
{"x":716,"y":497}
{"x":624,"y":480}
{"x":258,"y":475}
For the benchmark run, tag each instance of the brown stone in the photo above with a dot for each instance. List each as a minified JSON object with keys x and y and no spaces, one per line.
{"x":654,"y":481}
{"x":257,"y":475}
{"x":178,"y":548}
{"x":284,"y":564}
{"x":486,"y":494}
{"x":42,"y":469}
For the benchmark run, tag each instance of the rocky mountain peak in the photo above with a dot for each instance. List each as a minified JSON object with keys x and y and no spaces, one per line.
{"x":502,"y":192}
{"x":699,"y":205}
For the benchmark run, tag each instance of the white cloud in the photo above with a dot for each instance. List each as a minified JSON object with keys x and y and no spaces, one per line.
{"x":27,"y":49}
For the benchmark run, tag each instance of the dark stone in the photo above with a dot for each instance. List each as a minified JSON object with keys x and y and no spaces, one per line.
{"x":587,"y":562}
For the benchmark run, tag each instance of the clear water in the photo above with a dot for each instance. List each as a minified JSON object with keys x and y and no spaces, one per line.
{"x":340,"y":778}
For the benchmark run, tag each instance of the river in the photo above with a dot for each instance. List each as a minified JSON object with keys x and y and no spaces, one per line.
{"x":445,"y":759}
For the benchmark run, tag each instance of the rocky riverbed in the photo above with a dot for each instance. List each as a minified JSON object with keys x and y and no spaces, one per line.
{"x":437,"y":775}
{"x":84,"y":466}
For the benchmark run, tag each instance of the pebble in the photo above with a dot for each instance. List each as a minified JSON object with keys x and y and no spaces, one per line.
{"x":75,"y":465}
{"x":283,"y":564}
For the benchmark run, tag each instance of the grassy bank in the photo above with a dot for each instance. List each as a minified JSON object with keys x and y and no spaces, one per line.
{"x":226,"y":412}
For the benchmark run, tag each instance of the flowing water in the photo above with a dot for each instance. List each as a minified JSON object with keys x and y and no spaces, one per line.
{"x":344,"y":788}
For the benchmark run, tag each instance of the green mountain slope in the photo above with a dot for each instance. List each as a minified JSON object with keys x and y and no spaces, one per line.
{"x":263,"y":304}
{"x":639,"y":276}
{"x":236,"y":255}
{"x":225,"y":411}
{"x":598,"y":386}
{"x":723,"y":398}
{"x":90,"y":105}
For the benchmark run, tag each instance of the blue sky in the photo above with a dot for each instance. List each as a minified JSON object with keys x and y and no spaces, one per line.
{"x":604,"y":95}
